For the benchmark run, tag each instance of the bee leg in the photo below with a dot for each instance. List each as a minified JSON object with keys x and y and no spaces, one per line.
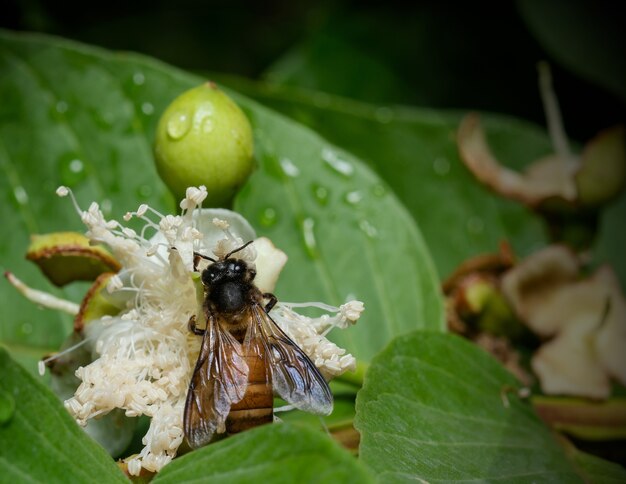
{"x":192,"y":326}
{"x":272,"y":301}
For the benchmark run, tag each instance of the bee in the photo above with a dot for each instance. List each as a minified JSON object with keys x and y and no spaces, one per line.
{"x":244,"y":358}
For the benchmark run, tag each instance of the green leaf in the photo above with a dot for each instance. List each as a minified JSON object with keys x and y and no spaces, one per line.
{"x":585,"y":37}
{"x":594,"y":469}
{"x":611,"y":240}
{"x":40,"y":442}
{"x":435,"y":407}
{"x":414,"y":150}
{"x":346,"y":235}
{"x":281,"y":453}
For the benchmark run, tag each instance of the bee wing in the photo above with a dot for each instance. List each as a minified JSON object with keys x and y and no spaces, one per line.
{"x":294,"y":376}
{"x":219,"y":379}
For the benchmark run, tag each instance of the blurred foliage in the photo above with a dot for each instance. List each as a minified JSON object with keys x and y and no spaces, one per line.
{"x":427,"y":53}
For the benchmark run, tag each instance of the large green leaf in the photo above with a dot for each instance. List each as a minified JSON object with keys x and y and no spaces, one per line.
{"x":585,"y":37}
{"x":435,"y":407}
{"x":414,"y":151}
{"x":39,"y":441}
{"x":273,"y":453}
{"x":345,"y":232}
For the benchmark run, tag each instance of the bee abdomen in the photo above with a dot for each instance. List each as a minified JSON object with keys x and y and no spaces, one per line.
{"x":257,"y":406}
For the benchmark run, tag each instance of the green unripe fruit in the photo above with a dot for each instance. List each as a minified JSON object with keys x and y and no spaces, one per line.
{"x":203,"y":138}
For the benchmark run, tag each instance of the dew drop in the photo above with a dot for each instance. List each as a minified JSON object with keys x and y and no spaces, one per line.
{"x":268,"y":217}
{"x":321,"y":100}
{"x":353,"y":197}
{"x":368,"y":229}
{"x":147,"y":108}
{"x":27,"y":328}
{"x":289,"y":168}
{"x":7,"y":407}
{"x":139,"y":78}
{"x":475,"y":225}
{"x":106,"y":206}
{"x":308,"y":237}
{"x":379,"y":190}
{"x":178,"y":125}
{"x":320,"y":193}
{"x":20,"y":195}
{"x":203,"y":118}
{"x":207,"y":125}
{"x":384,"y":115}
{"x":61,"y":107}
{"x":441,"y":166}
{"x":71,"y":169}
{"x":337,"y":164}
{"x":144,"y":191}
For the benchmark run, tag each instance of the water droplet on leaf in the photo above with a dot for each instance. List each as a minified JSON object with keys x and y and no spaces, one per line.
{"x":320,"y":193}
{"x":475,"y":225}
{"x":354,"y":197}
{"x":308,"y":237}
{"x":61,"y":107}
{"x":268,"y":217}
{"x":20,"y":195}
{"x":441,"y":166}
{"x":333,"y":160}
{"x":384,"y":115}
{"x":7,"y":407}
{"x":379,"y":190}
{"x":368,"y":229}
{"x":144,"y":191}
{"x":71,"y":169}
{"x":139,"y":78}
{"x":147,"y":108}
{"x":289,"y":168}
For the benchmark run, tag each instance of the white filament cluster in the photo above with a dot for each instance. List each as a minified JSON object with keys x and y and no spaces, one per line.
{"x":144,"y":356}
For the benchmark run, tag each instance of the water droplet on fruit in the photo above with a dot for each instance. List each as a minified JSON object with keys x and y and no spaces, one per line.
{"x":178,"y":125}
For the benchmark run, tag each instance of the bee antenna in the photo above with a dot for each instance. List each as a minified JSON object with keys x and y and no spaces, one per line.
{"x":196,"y":258}
{"x":237,"y":250}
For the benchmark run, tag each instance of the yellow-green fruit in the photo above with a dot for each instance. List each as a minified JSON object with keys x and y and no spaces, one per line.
{"x":203,"y":138}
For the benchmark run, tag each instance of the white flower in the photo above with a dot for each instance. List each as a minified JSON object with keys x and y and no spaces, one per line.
{"x":144,"y":356}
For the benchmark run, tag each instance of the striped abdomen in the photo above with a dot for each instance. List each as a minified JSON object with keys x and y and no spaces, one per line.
{"x":256,"y":407}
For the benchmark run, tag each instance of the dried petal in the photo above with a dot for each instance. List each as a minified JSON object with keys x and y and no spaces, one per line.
{"x":65,"y":257}
{"x":97,"y":302}
{"x":531,"y":285}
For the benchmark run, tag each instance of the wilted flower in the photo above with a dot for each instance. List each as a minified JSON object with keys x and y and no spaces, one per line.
{"x":145,"y":354}
{"x":583,"y":320}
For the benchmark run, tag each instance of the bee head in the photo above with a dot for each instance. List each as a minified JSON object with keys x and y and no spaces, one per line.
{"x":228,"y":269}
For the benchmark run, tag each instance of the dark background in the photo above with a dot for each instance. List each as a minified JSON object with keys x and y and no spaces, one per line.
{"x":470,"y":55}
